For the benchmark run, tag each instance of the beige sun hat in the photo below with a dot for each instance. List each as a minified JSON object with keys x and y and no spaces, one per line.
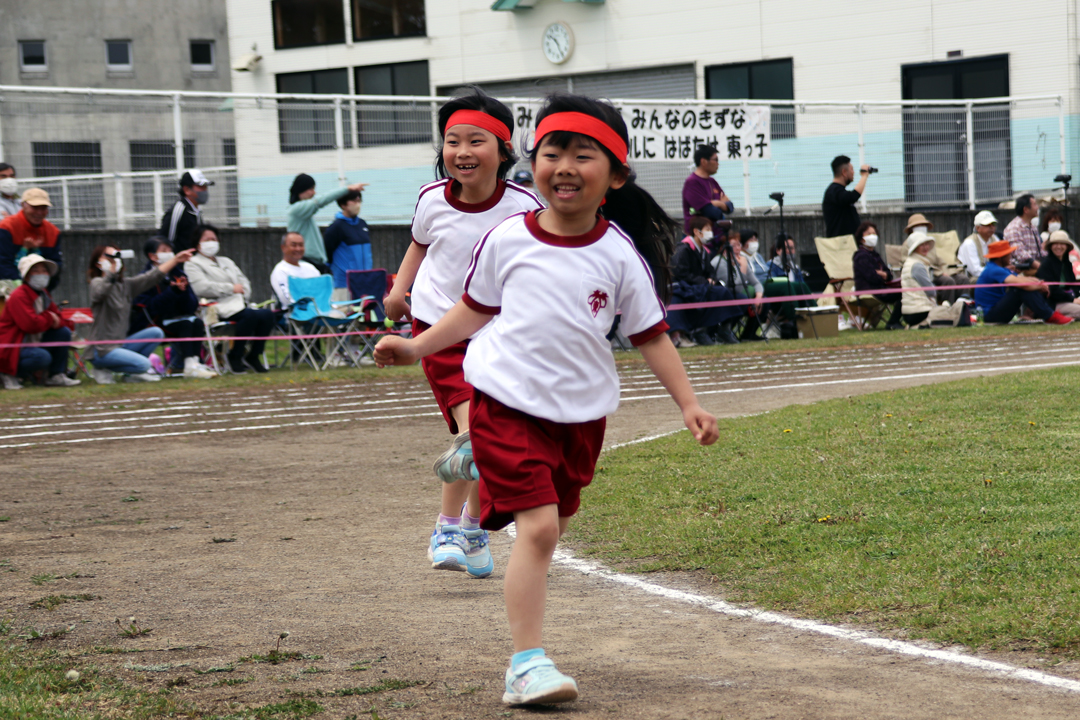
{"x":29,"y":261}
{"x":1058,"y":236}
{"x":916,"y":220}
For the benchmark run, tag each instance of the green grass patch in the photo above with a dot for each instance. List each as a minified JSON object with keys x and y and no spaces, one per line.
{"x":51,"y":602}
{"x":950,"y":512}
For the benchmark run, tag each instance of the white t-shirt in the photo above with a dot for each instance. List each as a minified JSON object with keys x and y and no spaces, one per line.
{"x":450,"y":229}
{"x":546,"y":353}
{"x":969,"y":254}
{"x":279,"y":278}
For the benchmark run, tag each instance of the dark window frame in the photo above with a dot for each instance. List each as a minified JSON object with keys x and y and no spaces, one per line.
{"x":117,"y":67}
{"x":357,"y":38}
{"x":782,"y":124}
{"x":275,"y":4}
{"x":23,"y":67}
{"x":202,"y":67}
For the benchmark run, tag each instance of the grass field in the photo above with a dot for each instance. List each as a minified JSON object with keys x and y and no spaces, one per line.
{"x":947,"y":512}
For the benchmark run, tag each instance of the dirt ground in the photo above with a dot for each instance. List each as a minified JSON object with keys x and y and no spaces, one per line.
{"x":219,"y":542}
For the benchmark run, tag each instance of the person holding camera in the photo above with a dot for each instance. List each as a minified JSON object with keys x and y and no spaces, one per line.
{"x":110,"y":301}
{"x":838,"y":205}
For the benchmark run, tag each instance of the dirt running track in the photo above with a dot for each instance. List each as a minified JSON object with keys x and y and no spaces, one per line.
{"x":328,"y":498}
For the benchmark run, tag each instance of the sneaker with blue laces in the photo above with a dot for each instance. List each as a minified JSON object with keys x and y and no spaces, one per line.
{"x":457,"y":462}
{"x":447,"y":548}
{"x":537,"y":682}
{"x":478,"y":560}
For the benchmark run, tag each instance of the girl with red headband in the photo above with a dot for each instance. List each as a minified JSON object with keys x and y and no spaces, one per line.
{"x":550,"y":283}
{"x":452,"y":214}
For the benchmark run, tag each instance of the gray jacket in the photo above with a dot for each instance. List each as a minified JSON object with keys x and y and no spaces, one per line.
{"x":746,"y":283}
{"x":110,"y":301}
{"x":213,"y":279}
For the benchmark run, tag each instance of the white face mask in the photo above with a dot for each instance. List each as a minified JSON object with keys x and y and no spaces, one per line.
{"x":751,"y":248}
{"x":9,"y":186}
{"x":209,"y":248}
{"x":706,"y":235}
{"x":870,"y":240}
{"x":1035,"y":222}
{"x":1053,"y":227}
{"x":921,"y":228}
{"x":164,"y":257}
{"x":38,"y":282}
{"x":107,"y":265}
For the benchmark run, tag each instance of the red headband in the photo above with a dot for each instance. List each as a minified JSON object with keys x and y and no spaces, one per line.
{"x":480,"y":120}
{"x":584,"y":124}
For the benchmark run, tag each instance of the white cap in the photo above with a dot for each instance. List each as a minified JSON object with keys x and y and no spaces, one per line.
{"x":985,"y":218}
{"x":194,"y":177}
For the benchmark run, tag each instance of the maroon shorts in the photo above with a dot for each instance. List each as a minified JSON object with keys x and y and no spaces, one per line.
{"x":527,"y":462}
{"x":445,"y":375}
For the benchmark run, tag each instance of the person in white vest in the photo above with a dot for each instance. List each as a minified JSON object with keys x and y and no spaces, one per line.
{"x":917,"y":304}
{"x":972,"y":254}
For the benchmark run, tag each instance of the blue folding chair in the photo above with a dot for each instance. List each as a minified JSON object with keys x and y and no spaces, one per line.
{"x":313,"y":313}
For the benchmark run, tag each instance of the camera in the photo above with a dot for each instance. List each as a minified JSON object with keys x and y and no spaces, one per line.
{"x":123,"y":255}
{"x":1025,"y":264}
{"x":777,"y":196}
{"x":1066,"y":179}
{"x":871,"y":170}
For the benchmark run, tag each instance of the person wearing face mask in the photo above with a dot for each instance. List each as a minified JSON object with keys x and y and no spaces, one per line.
{"x":179,"y":222}
{"x":737,"y":276}
{"x":973,"y":250}
{"x":110,"y":301}
{"x":348,"y":244}
{"x":29,"y":231}
{"x":303,"y":204}
{"x":9,"y":191}
{"x":1050,"y":222}
{"x":219,"y":280}
{"x":1020,"y":231}
{"x":751,"y":246}
{"x":693,"y":282}
{"x":871,"y":273}
{"x":31,"y":316}
{"x":171,"y":305}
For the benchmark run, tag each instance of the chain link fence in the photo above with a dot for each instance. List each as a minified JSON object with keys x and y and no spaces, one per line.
{"x":111,"y":159}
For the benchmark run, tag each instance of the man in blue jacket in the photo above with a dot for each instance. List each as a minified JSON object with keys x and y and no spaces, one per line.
{"x":348,"y":244}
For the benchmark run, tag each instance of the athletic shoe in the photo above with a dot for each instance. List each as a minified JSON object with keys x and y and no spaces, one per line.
{"x":142,"y":377}
{"x":255,"y":364}
{"x":447,"y":548}
{"x":1058,"y":319}
{"x":61,"y":380}
{"x":236,"y":366}
{"x":367,"y":361}
{"x":478,"y":560}
{"x":101,"y":376}
{"x":11,"y":382}
{"x":457,"y":462}
{"x":537,"y":682}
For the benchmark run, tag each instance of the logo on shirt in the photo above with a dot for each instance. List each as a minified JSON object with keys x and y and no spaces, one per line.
{"x":597,"y":301}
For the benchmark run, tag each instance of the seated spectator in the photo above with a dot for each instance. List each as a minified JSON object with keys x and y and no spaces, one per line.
{"x":31,"y":316}
{"x":1020,"y":233}
{"x":737,"y":276}
{"x":348,"y":244}
{"x":786,"y":278}
{"x":972,"y":252}
{"x":28,"y":231}
{"x":292,"y":265}
{"x":1057,"y":268}
{"x":1002,"y":292}
{"x":217,"y":279}
{"x":110,"y":300}
{"x":1051,"y":220}
{"x":871,"y":273}
{"x":692,"y":283}
{"x":750,"y":243}
{"x":303,"y":204}
{"x":917,"y":304}
{"x":939,"y":272}
{"x":9,"y":191}
{"x":171,"y":305}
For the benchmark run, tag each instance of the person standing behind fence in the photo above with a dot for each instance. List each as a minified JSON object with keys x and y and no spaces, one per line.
{"x":348,"y":244}
{"x":31,"y":316}
{"x":179,"y":222}
{"x":701,"y":194}
{"x":9,"y":191}
{"x":28,"y":231}
{"x":1022,"y":232}
{"x":303,"y":204}
{"x":838,"y":205}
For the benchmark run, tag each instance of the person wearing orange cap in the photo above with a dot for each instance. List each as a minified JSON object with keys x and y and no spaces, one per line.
{"x":29,"y":230}
{"x":1001,"y":292}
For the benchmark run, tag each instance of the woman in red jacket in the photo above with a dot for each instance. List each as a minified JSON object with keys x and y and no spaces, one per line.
{"x":31,"y":316}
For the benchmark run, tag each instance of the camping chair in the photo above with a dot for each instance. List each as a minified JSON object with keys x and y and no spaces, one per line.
{"x":944,"y":255}
{"x":836,"y":255}
{"x":79,"y":316}
{"x":368,"y":288}
{"x":312,"y":312}
{"x":219,"y":334}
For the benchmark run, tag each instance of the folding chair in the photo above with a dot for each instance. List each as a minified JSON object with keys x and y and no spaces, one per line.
{"x":219,"y":334}
{"x":79,"y":316}
{"x":312,"y":312}
{"x":944,"y":255}
{"x":836,"y":255}
{"x":368,"y":288}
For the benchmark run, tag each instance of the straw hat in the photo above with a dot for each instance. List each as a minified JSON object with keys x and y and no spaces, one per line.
{"x":916,"y":220}
{"x":916,"y":239}
{"x":26,"y":262}
{"x":1058,"y":236}
{"x":999,"y":248}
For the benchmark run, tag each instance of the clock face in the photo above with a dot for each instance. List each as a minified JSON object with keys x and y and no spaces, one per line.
{"x":558,"y":42}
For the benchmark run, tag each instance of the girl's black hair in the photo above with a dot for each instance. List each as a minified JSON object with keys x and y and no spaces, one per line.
{"x":633,"y":209}
{"x":477,"y":100}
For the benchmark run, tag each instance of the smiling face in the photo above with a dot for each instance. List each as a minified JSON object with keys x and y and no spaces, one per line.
{"x":575,"y":179}
{"x":472,"y":156}
{"x":1060,"y":249}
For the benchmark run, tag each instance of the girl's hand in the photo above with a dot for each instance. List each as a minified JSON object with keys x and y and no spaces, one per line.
{"x":396,"y":308}
{"x":393,"y":350}
{"x":702,"y":425}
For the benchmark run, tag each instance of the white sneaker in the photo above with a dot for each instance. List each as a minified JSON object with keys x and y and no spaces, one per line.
{"x":194,"y":369}
{"x":11,"y":382}
{"x":367,"y":361}
{"x":61,"y":380}
{"x":142,"y":377}
{"x":101,"y":376}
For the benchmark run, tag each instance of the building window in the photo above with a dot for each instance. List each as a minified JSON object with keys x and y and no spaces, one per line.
{"x":393,"y":123}
{"x":766,"y":80}
{"x":232,"y":188}
{"x":118,"y":55}
{"x":305,"y":125}
{"x":935,"y":138}
{"x":300,"y":23}
{"x":32,"y":56}
{"x":156,"y":155}
{"x":202,"y":56}
{"x":374,"y":19}
{"x":86,"y":197}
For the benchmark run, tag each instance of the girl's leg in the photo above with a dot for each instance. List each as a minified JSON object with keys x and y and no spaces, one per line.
{"x":124,"y":361}
{"x":144,"y":348}
{"x":525,"y":588}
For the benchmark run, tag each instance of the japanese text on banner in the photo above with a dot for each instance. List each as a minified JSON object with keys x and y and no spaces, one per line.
{"x":659,"y":132}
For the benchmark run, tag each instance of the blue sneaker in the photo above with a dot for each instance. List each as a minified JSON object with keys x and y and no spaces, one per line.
{"x":457,"y":462}
{"x":537,"y":682}
{"x":478,"y":560}
{"x":447,"y":549}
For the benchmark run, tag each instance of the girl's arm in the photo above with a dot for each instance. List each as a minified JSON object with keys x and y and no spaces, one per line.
{"x":395,"y":305}
{"x":461,"y":322}
{"x":664,"y":361}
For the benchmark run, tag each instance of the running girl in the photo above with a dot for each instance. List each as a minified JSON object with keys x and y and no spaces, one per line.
{"x":452,"y":214}
{"x":550,"y":282}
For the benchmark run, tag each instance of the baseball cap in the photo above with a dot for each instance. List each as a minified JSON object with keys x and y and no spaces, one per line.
{"x":36,"y":197}
{"x":523,"y":176}
{"x":194,"y":177}
{"x":985,"y":218}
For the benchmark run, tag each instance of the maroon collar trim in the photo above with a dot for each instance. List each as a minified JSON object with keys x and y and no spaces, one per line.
{"x":548,"y":238}
{"x":448,"y":193}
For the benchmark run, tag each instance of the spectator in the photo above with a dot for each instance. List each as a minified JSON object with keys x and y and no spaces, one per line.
{"x":218,"y":279}
{"x":524,"y":178}
{"x":171,"y":305}
{"x":786,"y":278}
{"x":1057,"y":268}
{"x":1001,"y":291}
{"x":292,"y":265}
{"x":838,"y":205}
{"x":750,"y":243}
{"x":110,"y":300}
{"x":692,"y":282}
{"x":918,"y":223}
{"x":303,"y":204}
{"x":701,"y":194}
{"x":871,"y":273}
{"x":1051,"y":221}
{"x":739,"y":277}
{"x":917,"y":304}
{"x":1021,"y":232}
{"x":179,"y":222}
{"x":29,"y":230}
{"x":31,"y":316}
{"x":973,"y":250}
{"x":348,"y":244}
{"x":9,"y":191}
